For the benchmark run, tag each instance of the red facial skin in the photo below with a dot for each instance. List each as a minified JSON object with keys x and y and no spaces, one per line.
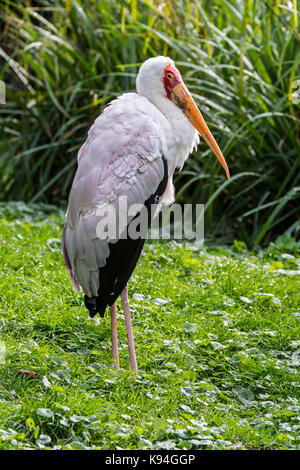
{"x":171,"y":78}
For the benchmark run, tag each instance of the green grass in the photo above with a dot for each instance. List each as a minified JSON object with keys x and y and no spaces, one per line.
{"x":63,"y":61}
{"x":217,"y":342}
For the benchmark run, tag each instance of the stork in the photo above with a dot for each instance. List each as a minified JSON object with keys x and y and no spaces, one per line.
{"x":132,"y":150}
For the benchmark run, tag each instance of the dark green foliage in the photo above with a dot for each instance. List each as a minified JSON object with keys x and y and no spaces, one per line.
{"x":64,"y":60}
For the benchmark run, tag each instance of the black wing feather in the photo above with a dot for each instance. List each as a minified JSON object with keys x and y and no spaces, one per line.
{"x":123,"y":257}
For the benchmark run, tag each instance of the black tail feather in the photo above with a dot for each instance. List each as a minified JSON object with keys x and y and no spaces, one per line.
{"x":95,"y":305}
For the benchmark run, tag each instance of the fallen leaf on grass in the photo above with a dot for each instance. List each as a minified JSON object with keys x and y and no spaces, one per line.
{"x":29,"y":373}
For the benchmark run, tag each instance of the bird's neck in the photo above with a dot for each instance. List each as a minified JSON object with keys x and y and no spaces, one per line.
{"x":183,"y":135}
{"x":168,"y":109}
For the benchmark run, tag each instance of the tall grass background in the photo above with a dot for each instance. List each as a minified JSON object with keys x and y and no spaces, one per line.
{"x":63,"y":61}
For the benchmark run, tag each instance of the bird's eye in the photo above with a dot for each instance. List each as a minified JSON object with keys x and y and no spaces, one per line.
{"x":169,"y":76}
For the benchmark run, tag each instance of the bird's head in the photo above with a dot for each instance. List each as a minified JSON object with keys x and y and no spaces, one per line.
{"x":158,"y":77}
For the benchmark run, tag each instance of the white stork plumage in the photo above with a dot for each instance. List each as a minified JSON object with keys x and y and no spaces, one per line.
{"x":132,"y":150}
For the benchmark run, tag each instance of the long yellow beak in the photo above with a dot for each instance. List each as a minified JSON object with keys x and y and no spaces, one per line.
{"x":182,"y":98}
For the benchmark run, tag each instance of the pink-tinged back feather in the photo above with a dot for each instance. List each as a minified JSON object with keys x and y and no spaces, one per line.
{"x":122,"y":156}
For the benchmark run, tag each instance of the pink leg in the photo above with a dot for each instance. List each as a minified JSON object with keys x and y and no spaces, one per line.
{"x":125,"y":303}
{"x":114,"y":336}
